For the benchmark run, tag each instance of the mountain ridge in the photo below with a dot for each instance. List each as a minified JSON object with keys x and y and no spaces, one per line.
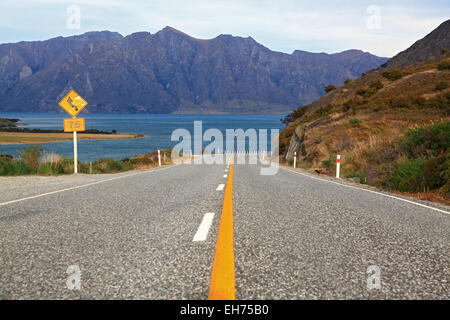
{"x":169,"y":71}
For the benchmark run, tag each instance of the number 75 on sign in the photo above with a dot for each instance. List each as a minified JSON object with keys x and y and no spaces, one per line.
{"x":74,"y":124}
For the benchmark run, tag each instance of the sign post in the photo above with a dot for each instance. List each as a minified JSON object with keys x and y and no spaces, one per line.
{"x":73,"y":103}
{"x":75,"y":153}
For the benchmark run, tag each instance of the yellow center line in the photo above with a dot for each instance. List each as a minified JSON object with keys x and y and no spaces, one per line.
{"x":222,"y":286}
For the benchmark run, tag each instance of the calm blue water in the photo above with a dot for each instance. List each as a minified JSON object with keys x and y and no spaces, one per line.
{"x":157,"y":129}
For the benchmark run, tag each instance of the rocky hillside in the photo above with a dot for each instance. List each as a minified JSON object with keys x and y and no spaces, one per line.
{"x":391,"y":128}
{"x":169,"y":72}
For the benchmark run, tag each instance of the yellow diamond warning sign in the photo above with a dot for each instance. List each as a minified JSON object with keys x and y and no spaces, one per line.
{"x":73,"y":103}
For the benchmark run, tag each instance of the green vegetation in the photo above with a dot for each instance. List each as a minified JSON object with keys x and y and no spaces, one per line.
{"x":441,"y":86}
{"x":323,"y":111}
{"x":326,"y":163}
{"x":421,"y":160}
{"x":329,"y":88}
{"x":417,"y":175}
{"x":371,"y":90}
{"x":32,"y":160}
{"x":427,"y":141}
{"x":299,"y":112}
{"x":444,"y":66}
{"x":393,"y":75}
{"x":355,"y":122}
{"x":30,"y":156}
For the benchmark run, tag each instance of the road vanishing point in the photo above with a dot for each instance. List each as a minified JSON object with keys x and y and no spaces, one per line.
{"x":197,"y":231}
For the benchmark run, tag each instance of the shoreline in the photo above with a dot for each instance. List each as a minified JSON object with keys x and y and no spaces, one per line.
{"x":19,"y":138}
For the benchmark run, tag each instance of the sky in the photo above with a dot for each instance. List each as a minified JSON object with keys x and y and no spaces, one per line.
{"x":380,"y":27}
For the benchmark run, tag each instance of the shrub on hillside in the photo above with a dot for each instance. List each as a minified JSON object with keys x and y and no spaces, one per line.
{"x":326,"y":163}
{"x":409,"y":176}
{"x":355,"y":122}
{"x":418,"y":175}
{"x":367,"y":92}
{"x":444,"y":66}
{"x":350,"y":104}
{"x":299,"y":112}
{"x":431,"y":140}
{"x":323,"y":111}
{"x":329,"y":88}
{"x":441,"y":86}
{"x":393,"y":75}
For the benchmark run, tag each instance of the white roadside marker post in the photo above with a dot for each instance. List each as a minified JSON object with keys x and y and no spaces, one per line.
{"x":75,"y":152}
{"x":338,"y":166}
{"x":295,"y":160}
{"x":159,"y":158}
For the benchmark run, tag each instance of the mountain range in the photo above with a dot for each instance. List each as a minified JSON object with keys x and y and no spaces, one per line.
{"x":169,"y":72}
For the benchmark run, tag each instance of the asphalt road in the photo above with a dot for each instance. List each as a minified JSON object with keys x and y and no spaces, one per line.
{"x":295,"y":237}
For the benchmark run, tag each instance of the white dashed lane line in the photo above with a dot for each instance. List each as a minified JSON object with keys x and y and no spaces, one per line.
{"x":203,"y":229}
{"x":220,"y":187}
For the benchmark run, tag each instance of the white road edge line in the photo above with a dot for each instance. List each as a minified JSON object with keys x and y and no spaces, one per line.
{"x":220,"y":187}
{"x":203,"y":229}
{"x":83,"y":185}
{"x":379,"y":193}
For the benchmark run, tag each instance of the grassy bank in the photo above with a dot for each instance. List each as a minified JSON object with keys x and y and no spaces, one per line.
{"x":33,"y":161}
{"x":412,"y":161}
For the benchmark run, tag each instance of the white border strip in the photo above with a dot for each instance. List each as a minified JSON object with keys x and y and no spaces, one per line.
{"x":375,"y":192}
{"x":84,"y":185}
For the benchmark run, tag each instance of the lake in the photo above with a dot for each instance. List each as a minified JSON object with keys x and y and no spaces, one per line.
{"x":157,"y":129}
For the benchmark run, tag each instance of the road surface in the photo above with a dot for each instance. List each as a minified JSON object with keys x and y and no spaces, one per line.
{"x":296,"y":236}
